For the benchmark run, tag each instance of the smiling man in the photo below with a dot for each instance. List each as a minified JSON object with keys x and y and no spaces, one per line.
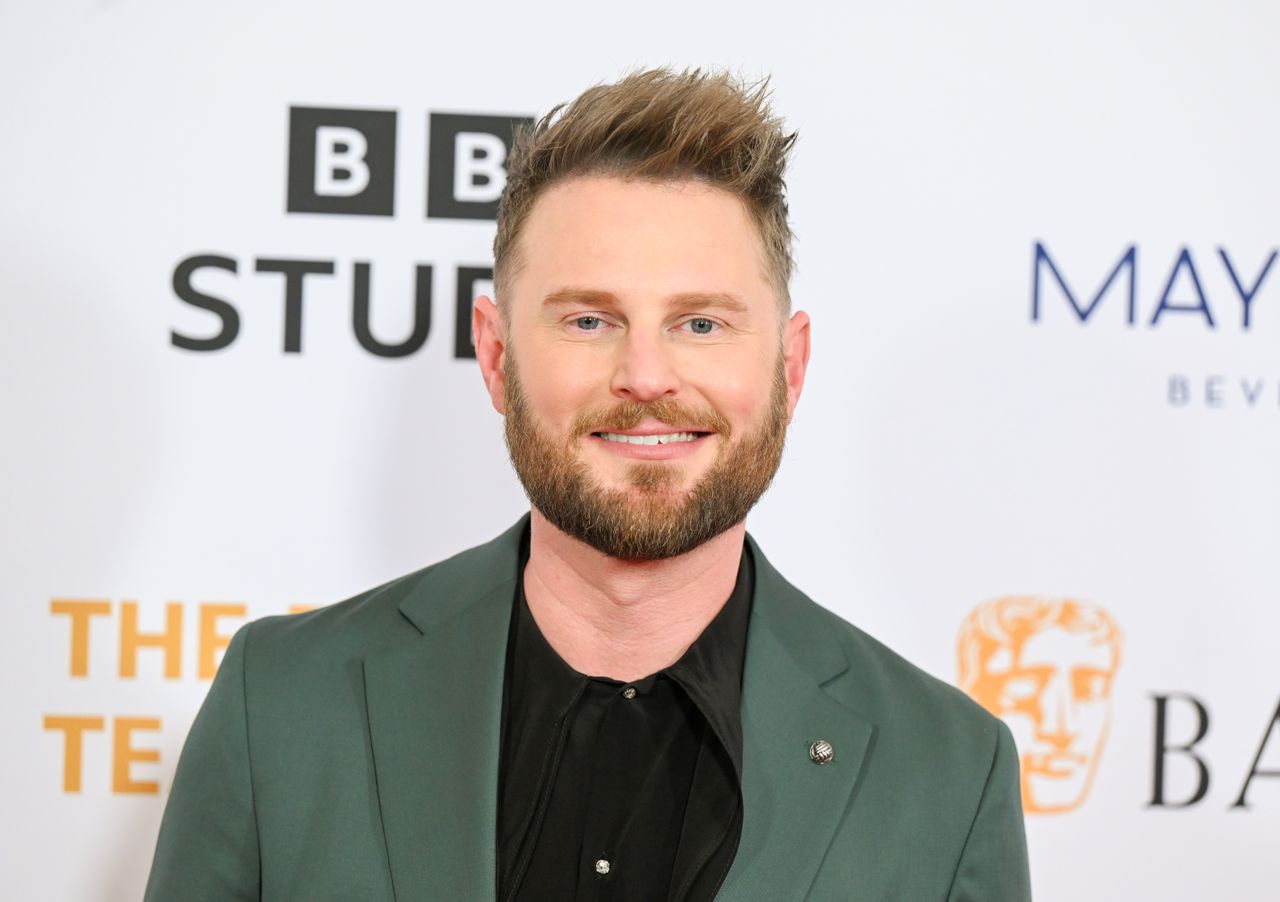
{"x":618,"y":698}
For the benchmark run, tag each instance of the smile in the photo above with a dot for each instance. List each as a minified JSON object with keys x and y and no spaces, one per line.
{"x":663,"y":439}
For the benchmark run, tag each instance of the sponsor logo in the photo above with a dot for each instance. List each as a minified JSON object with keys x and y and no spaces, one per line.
{"x":1228,"y":301}
{"x":1183,"y":292}
{"x":466,"y":156}
{"x":1046,"y":667}
{"x":343,"y":162}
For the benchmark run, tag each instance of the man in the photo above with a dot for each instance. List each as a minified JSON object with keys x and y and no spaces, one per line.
{"x":619,"y":698}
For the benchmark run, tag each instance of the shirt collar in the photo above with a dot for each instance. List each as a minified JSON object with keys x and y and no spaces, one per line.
{"x":710,"y":670}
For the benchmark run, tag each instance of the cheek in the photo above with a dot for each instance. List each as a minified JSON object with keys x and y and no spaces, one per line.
{"x":559,"y":387}
{"x":739,"y":392}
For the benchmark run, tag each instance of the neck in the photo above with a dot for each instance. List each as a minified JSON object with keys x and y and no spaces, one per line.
{"x":625,"y":619}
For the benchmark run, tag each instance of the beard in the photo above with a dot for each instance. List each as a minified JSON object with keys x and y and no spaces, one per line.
{"x":648,"y":519}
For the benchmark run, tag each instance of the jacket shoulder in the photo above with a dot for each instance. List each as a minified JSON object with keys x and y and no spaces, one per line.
{"x":892,"y":688}
{"x":389,"y":613}
{"x":904,"y":701}
{"x":358,"y":624}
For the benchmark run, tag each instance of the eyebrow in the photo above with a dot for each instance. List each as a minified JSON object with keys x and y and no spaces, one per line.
{"x":570,"y":297}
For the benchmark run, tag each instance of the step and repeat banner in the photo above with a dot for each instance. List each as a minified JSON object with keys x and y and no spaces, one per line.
{"x":1037,"y":452}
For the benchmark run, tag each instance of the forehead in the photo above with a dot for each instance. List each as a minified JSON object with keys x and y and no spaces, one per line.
{"x":638,"y":239}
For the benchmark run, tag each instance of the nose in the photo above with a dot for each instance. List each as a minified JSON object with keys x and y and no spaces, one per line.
{"x":643,"y":369}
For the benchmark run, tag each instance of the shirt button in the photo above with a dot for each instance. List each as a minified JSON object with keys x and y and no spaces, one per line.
{"x":629,"y":692}
{"x":602,"y":866}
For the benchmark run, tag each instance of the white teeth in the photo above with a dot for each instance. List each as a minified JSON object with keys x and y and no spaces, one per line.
{"x":648,"y":439}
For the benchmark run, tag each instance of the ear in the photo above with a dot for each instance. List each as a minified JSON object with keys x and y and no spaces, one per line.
{"x":489,"y":334}
{"x":795,"y":357}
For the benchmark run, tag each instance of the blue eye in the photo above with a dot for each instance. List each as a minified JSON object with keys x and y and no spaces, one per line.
{"x":701,"y":326}
{"x":588,"y":323}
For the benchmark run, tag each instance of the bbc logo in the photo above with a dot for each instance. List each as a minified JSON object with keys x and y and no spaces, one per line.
{"x":344,"y":162}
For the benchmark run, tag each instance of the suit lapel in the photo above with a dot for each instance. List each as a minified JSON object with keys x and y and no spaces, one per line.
{"x":792,"y":807}
{"x":435,"y":710}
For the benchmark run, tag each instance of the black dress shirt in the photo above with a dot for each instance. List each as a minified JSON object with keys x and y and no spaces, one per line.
{"x":622,"y":792}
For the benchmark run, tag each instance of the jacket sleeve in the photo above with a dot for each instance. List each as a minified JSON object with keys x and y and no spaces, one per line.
{"x":208,"y":845}
{"x":993,"y":864}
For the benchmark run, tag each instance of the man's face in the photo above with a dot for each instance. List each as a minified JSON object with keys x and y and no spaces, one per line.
{"x":646,"y":374}
{"x":1054,"y":693}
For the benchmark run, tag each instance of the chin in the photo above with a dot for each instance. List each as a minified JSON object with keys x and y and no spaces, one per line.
{"x":664,"y":493}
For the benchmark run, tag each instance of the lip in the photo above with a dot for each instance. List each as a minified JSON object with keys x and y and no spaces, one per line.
{"x":672,"y":451}
{"x":652,"y":427}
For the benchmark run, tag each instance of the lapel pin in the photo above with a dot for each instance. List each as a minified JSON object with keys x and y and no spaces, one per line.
{"x":821,"y":751}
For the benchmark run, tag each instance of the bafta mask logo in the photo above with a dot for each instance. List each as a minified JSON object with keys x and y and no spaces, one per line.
{"x":1046,"y":668}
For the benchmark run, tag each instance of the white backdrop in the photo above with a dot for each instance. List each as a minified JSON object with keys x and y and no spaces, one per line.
{"x":950,"y":449}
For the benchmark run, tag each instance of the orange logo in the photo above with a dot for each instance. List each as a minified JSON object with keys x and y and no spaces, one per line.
{"x":1046,"y":668}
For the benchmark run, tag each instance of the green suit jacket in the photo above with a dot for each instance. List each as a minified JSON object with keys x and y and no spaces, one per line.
{"x":352,"y":754}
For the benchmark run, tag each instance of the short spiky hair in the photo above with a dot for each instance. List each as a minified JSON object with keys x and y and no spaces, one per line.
{"x":658,"y":125}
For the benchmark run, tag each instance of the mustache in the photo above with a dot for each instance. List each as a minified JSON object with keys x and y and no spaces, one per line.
{"x":629,"y":414}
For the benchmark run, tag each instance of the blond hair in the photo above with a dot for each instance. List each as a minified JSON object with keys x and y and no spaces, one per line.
{"x":658,"y":125}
